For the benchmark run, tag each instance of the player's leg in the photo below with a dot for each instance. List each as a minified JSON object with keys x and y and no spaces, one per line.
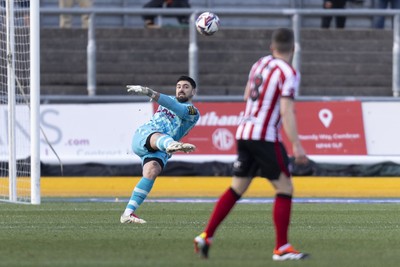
{"x":153,"y":162}
{"x":66,"y":19}
{"x":183,"y":20}
{"x":280,"y":178}
{"x":326,"y":20}
{"x":379,"y":21}
{"x":226,"y":202}
{"x":243,"y":167}
{"x":340,"y":20}
{"x":166,"y":143}
{"x":160,"y":141}
{"x":282,"y":208}
{"x":221,"y":210}
{"x":281,"y":218}
{"x":151,"y":169}
{"x":85,"y":17}
{"x":149,"y":19}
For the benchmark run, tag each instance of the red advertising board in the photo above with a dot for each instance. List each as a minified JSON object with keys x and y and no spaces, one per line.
{"x":325,"y":128}
{"x":215,"y":131}
{"x":331,"y":128}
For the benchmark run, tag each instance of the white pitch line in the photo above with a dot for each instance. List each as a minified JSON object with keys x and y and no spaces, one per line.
{"x":243,"y":201}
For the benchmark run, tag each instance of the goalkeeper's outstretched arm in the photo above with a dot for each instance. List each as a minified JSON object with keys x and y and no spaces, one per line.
{"x":161,"y":99}
{"x":142,"y":90}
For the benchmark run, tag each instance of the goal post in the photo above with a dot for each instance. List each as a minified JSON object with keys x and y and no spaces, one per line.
{"x":19,"y":101}
{"x":35,"y":99}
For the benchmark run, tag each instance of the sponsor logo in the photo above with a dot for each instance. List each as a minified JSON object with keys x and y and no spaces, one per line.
{"x":168,"y":113}
{"x":223,"y":139}
{"x":213,"y":119}
{"x":192,"y":110}
{"x":326,"y":117}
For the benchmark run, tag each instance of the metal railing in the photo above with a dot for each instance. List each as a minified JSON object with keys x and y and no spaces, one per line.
{"x":295,"y":15}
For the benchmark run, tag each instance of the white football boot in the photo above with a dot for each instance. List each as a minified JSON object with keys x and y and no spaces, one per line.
{"x":131,"y":218}
{"x":178,"y":146}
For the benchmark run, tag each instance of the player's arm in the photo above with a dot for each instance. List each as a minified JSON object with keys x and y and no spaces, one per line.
{"x":183,"y":111}
{"x":290,"y":127}
{"x":143,"y":90}
{"x":165,"y":101}
{"x":247,"y":91}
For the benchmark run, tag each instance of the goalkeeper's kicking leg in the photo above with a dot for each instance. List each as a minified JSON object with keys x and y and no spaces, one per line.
{"x":154,"y":151}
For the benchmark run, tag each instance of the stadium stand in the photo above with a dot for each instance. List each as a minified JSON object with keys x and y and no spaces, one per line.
{"x":355,"y":61}
{"x":247,"y":22}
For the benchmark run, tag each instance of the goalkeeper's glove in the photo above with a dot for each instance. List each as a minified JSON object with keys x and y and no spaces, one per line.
{"x":140,"y":90}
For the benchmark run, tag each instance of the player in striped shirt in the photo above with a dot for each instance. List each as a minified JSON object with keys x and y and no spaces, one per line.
{"x":270,"y":91}
{"x":156,"y":140}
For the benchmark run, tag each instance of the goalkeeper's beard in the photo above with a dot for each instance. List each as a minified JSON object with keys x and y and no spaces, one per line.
{"x":182,"y":99}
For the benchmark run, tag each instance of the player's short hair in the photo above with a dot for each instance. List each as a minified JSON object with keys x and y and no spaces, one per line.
{"x":283,"y":40}
{"x":188,"y":79}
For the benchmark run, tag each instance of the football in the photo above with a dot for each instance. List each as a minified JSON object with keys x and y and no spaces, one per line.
{"x":207,"y":23}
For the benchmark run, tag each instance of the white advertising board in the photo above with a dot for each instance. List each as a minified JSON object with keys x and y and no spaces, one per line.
{"x":83,"y":133}
{"x":22,"y":132}
{"x":382,"y":128}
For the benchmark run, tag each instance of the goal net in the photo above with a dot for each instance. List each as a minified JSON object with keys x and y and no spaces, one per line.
{"x":19,"y":102}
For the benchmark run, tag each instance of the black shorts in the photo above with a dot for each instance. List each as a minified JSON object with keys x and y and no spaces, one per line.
{"x":261,"y":158}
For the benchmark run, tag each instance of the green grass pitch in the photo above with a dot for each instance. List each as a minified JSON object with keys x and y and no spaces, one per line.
{"x":89,"y":234}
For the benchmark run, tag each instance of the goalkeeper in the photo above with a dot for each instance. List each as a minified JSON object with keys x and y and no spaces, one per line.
{"x":156,"y":140}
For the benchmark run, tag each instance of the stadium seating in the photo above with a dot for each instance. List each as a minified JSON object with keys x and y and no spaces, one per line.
{"x":350,"y":62}
{"x":356,"y":61}
{"x":249,"y":21}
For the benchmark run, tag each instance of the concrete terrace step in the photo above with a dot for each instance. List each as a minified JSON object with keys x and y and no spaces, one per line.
{"x":346,"y":91}
{"x":345,"y":68}
{"x":347,"y":57}
{"x":334,"y":62}
{"x":146,"y":67}
{"x":346,"y":80}
{"x":121,"y":90}
{"x":223,"y":81}
{"x":228,"y":57}
{"x":347,"y":45}
{"x":143,"y":79}
{"x":348,"y":34}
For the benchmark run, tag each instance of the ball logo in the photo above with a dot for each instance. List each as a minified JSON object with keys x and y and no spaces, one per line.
{"x":223,"y":139}
{"x":325,"y":116}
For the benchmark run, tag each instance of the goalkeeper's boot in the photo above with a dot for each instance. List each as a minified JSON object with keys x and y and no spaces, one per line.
{"x":287,"y":252}
{"x":131,"y":218}
{"x":202,"y":244}
{"x":178,"y":146}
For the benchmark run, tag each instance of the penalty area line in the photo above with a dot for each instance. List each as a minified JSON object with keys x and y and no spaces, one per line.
{"x":242,"y":201}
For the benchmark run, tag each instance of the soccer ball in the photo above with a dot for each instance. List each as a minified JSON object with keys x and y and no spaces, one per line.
{"x":207,"y":23}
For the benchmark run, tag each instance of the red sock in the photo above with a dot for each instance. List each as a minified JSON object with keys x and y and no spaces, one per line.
{"x":221,"y":210}
{"x":281,"y":217}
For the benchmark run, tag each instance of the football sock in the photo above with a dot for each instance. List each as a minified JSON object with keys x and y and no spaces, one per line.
{"x":281,"y":217}
{"x":139,"y":194}
{"x":163,"y":142}
{"x":221,"y":210}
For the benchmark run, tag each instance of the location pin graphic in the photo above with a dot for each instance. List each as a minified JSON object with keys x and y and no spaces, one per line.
{"x":325,"y":116}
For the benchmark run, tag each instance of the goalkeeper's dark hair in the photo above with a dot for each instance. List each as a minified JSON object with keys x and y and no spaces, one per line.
{"x":188,"y":79}
{"x":283,"y":39}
